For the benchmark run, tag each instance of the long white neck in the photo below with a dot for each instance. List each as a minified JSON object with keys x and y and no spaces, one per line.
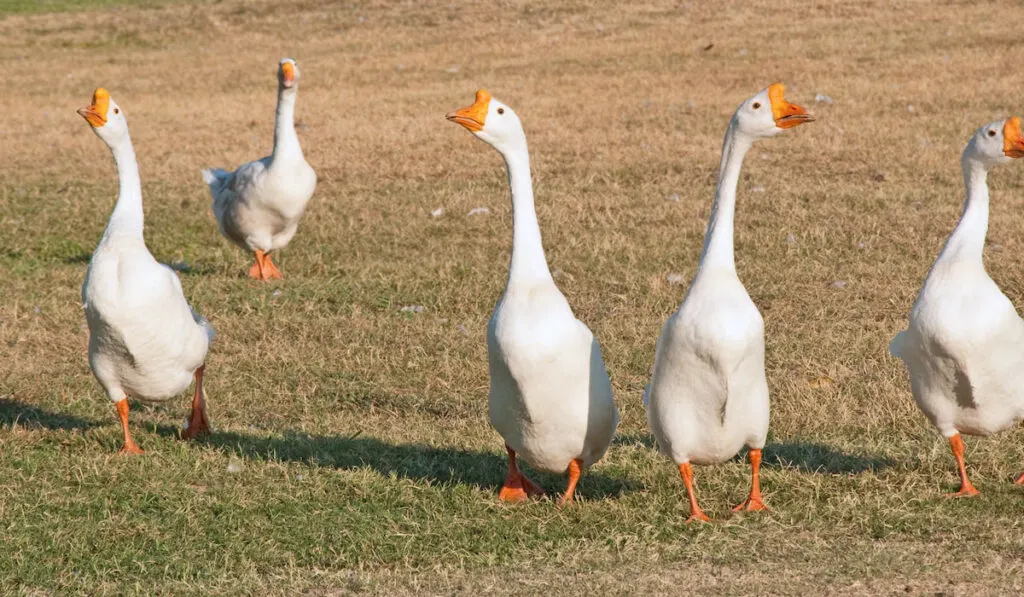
{"x":967,"y":242}
{"x":286,"y":142}
{"x":718,"y":241}
{"x":528,"y":265}
{"x":127,"y":217}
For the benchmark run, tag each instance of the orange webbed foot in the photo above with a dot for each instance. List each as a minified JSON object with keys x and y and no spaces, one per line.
{"x":751,"y":504}
{"x":255,"y":272}
{"x":270,"y":271}
{"x":512,"y":495}
{"x":698,"y":516}
{"x":1020,"y":480}
{"x":519,"y":488}
{"x":966,"y":490}
{"x":130,"y":449}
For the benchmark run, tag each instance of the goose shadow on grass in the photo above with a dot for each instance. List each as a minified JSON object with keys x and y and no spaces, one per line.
{"x":418,"y":462}
{"x":807,"y":457}
{"x":15,"y":412}
{"x":811,"y":457}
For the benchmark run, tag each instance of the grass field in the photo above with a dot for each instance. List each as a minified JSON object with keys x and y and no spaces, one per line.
{"x":352,"y":452}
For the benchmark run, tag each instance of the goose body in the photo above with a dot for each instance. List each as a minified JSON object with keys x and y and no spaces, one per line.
{"x":259,"y":205}
{"x":550,"y":396}
{"x":964,"y":346}
{"x":145,"y":341}
{"x":708,"y":395}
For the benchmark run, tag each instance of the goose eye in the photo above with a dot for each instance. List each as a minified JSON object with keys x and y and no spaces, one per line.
{"x":757,"y":105}
{"x":991,"y":133}
{"x":117,"y":111}
{"x":501,"y":110}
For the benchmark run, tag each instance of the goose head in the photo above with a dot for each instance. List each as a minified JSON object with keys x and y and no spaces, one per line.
{"x":768,"y":113}
{"x":287,"y":74}
{"x":106,"y":117}
{"x":491,"y":121}
{"x":996,"y":143}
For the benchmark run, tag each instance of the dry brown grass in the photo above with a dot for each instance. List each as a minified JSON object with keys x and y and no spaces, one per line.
{"x":382,"y":414}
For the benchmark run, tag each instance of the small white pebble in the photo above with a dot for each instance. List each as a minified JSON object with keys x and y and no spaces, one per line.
{"x":479,"y":210}
{"x":821,"y":98}
{"x":462,"y":329}
{"x":861,"y":246}
{"x":36,"y":309}
{"x":757,"y":189}
{"x":790,"y":239}
{"x":742,"y":52}
{"x":234,"y":467}
{"x":839,"y":284}
{"x":276,"y":293}
{"x":675,"y":279}
{"x":300,"y":477}
{"x":911,"y":108}
{"x":997,"y":248}
{"x":412,"y":309}
{"x":452,"y":69}
{"x":672,"y":197}
{"x":437,"y":213}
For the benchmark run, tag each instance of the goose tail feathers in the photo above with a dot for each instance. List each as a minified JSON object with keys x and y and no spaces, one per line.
{"x":213,"y":175}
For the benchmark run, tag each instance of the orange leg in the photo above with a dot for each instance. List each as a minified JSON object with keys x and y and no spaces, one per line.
{"x":754,"y":502}
{"x":130,"y":447}
{"x":517,"y":488}
{"x":197,"y":423}
{"x":256,"y":271}
{"x":270,"y":271}
{"x":1020,"y":479}
{"x":575,"y":470}
{"x":695,"y":512}
{"x":966,"y":489}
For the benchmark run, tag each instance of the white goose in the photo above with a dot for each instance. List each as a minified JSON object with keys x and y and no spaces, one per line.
{"x":550,"y":397}
{"x":145,"y":341}
{"x":708,"y":395}
{"x":963,"y":347}
{"x":259,"y":205}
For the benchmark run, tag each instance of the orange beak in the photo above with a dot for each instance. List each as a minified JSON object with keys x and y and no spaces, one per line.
{"x":474,"y":116}
{"x":1013,"y":142}
{"x":786,"y":115}
{"x":96,"y":114}
{"x":287,"y":74}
